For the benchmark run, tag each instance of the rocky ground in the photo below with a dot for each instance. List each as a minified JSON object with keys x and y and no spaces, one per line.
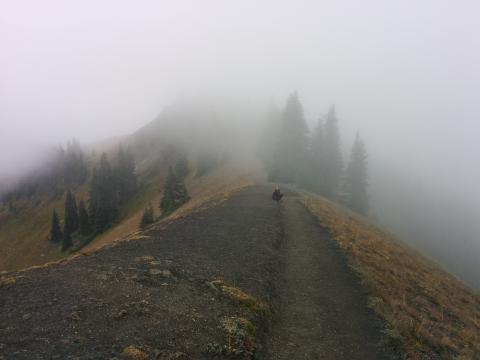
{"x":226,"y":282}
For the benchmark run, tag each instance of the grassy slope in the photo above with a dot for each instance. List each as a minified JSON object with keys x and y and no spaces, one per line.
{"x":24,"y":237}
{"x":429,"y":311}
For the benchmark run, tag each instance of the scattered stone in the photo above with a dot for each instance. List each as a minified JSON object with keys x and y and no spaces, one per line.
{"x":135,"y":353}
{"x":144,"y":258}
{"x":121,"y":314}
{"x":103,"y":276}
{"x":154,"y":272}
{"x":170,"y":355}
{"x":75,"y":316}
{"x":26,"y":316}
{"x":164,"y":273}
{"x":155,"y":263}
{"x":213,"y":348}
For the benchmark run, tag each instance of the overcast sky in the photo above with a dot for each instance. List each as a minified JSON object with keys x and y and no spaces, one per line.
{"x":405,"y":73}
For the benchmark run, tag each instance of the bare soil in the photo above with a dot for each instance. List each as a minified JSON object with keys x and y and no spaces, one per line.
{"x":156,"y":298}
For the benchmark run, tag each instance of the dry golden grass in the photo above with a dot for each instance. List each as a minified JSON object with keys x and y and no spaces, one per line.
{"x":428,"y":311}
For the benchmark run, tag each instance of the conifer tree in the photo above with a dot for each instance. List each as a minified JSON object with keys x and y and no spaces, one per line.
{"x":332,"y":160}
{"x":356,"y":178}
{"x":175,"y":193}
{"x":93,"y":196}
{"x":290,"y":158}
{"x":71,"y":214}
{"x":147,"y":217}
{"x":55,"y":230}
{"x":66,"y":241}
{"x":103,"y":196}
{"x":83,"y":219}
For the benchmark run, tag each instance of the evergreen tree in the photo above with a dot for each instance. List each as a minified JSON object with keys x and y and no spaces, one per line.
{"x":66,"y":242}
{"x":317,"y":153}
{"x":93,"y":196}
{"x":332,"y":160}
{"x":125,"y":178}
{"x":83,"y":219}
{"x":147,"y":217}
{"x":103,"y":196}
{"x":356,"y":178}
{"x":71,"y":215}
{"x":55,"y":231}
{"x":290,"y":157}
{"x":175,"y":193}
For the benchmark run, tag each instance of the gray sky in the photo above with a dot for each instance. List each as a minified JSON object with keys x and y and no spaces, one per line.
{"x":404,"y":73}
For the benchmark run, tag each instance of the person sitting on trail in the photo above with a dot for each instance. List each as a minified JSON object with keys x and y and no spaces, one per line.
{"x":277,"y":194}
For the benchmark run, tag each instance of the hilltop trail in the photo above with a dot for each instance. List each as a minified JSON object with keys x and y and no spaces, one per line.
{"x":323,"y":311}
{"x":156,"y":294}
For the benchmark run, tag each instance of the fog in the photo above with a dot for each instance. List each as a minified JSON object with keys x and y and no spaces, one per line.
{"x":404,"y":74}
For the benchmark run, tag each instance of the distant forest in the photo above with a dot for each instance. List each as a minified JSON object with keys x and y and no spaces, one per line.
{"x":313,"y":160}
{"x":290,"y":152}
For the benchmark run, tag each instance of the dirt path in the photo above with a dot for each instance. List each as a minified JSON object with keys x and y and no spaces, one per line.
{"x":323,"y":310}
{"x":156,"y":295}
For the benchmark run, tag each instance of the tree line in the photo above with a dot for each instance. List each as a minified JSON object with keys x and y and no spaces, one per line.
{"x":110,"y":187}
{"x":293,"y":154}
{"x":65,"y":169}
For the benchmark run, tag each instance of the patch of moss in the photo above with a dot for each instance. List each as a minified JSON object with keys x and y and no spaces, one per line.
{"x":244,"y":300}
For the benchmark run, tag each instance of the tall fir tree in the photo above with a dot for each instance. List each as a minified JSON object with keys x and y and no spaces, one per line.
{"x":103,"y":196}
{"x":317,"y":154}
{"x":55,"y":230}
{"x":174,"y":195}
{"x":125,"y":178}
{"x":71,"y":214}
{"x":83,"y":219}
{"x":66,"y":242}
{"x":147,"y":217}
{"x":332,"y":160}
{"x":93,"y":196}
{"x":356,"y":178}
{"x":290,"y":158}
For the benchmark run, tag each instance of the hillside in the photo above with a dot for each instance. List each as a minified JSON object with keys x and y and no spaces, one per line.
{"x":431,"y":313}
{"x":215,"y":284}
{"x":215,"y":168}
{"x":244,"y":276}
{"x":24,"y":236}
{"x":305,"y":278}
